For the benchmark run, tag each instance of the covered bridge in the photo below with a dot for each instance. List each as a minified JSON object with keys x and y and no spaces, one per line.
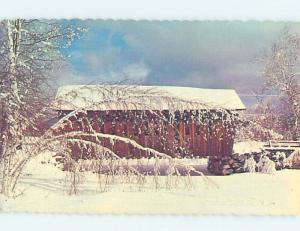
{"x":179,"y":121}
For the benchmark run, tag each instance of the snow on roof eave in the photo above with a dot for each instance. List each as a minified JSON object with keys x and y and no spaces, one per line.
{"x":217,"y":98}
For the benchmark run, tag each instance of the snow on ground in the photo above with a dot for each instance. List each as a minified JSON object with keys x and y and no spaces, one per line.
{"x":248,"y":193}
{"x":248,"y":147}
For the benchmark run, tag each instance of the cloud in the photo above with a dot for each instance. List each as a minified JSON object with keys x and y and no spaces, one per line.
{"x":214,"y":54}
{"x":137,"y":72}
{"x":107,"y":59}
{"x":134,"y":72}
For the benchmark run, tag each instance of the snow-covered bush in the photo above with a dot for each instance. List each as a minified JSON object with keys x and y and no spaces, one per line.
{"x":265,"y":165}
{"x":255,"y":129}
{"x":250,"y":165}
{"x":294,"y":159}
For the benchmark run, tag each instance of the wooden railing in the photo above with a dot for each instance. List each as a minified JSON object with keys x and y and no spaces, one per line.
{"x":282,"y":145}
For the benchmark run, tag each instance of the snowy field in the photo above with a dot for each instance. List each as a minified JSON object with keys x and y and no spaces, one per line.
{"x":43,"y":190}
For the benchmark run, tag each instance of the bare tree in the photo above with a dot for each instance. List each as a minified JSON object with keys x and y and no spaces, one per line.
{"x":282,"y":77}
{"x":30,"y":51}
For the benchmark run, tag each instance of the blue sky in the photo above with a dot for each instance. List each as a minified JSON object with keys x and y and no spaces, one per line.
{"x":208,"y":54}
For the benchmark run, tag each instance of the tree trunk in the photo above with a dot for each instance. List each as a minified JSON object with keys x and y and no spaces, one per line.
{"x":10,"y":108}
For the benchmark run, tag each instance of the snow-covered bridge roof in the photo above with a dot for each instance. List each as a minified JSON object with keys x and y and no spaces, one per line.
{"x":131,"y":97}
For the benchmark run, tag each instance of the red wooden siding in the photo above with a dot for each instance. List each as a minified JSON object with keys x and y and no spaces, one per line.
{"x":178,"y":137}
